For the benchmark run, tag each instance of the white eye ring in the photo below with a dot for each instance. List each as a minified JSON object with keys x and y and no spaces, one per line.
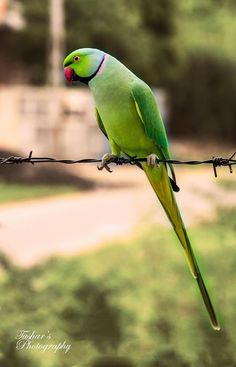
{"x":76,"y":58}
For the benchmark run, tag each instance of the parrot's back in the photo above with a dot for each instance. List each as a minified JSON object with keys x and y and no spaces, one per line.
{"x":113,"y":99}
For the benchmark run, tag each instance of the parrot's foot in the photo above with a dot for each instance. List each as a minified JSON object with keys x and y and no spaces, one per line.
{"x":153,"y":160}
{"x":106,"y":159}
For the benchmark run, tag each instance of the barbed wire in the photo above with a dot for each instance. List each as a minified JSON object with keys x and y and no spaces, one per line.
{"x":214,"y":161}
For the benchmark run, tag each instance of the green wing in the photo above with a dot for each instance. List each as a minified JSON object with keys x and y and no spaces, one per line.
{"x":149,"y":113}
{"x":100,"y":123}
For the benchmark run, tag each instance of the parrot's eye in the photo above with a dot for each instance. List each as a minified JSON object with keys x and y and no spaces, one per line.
{"x":76,"y":58}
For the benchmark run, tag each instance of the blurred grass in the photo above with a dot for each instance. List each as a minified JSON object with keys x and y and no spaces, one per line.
{"x":227,"y":184}
{"x":16,"y":192}
{"x":134,"y":299}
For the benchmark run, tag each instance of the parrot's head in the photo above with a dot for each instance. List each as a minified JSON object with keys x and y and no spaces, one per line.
{"x":83,"y":64}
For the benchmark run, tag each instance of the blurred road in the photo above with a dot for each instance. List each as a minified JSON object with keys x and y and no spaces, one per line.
{"x":34,"y":230}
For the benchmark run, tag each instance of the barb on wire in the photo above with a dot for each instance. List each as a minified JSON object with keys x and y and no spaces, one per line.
{"x":214,"y":161}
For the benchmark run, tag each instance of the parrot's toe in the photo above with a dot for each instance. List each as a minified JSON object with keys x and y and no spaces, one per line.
{"x":106,"y":159}
{"x":153,"y":160}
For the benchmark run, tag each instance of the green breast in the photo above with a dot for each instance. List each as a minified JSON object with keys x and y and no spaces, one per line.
{"x":114,"y":102}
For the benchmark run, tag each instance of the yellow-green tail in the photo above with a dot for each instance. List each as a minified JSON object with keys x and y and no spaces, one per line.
{"x":159,"y":180}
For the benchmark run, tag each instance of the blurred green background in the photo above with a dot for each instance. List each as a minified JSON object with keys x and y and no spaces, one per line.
{"x":133,"y":303}
{"x":173,"y":44}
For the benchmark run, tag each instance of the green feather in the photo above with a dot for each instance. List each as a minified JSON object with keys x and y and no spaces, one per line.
{"x":150,"y":115}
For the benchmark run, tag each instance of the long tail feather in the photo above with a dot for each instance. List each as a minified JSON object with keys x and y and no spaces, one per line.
{"x":160,"y":182}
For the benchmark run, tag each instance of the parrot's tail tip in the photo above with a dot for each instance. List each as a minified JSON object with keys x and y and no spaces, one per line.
{"x":216,"y":327}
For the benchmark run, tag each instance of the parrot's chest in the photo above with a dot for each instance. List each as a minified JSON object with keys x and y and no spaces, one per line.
{"x":121,"y":121}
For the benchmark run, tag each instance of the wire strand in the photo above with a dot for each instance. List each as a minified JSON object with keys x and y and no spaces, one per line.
{"x":214,"y":161}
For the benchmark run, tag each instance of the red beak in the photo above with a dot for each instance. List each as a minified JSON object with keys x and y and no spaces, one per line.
{"x":68,"y":72}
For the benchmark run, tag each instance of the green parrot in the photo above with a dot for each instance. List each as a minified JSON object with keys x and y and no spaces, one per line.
{"x":128,"y":115}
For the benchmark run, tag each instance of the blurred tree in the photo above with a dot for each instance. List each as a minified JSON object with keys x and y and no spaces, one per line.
{"x":206,"y":27}
{"x":202,"y":92}
{"x":114,"y":26}
{"x":57,"y":35}
{"x":24,"y":53}
{"x":217,"y":350}
{"x":142,"y":40}
{"x":202,"y":99}
{"x":124,"y":29}
{"x":34,"y":37}
{"x":169,"y":358}
{"x":93,"y":318}
{"x":164,"y":42}
{"x":10,"y":356}
{"x":158,"y":17}
{"x":112,"y":361}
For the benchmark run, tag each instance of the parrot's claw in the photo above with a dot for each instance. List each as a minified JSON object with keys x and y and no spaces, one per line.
{"x":106,"y":159}
{"x":153,"y":160}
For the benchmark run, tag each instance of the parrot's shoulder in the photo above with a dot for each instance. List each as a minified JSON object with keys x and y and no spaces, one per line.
{"x":145,"y":101}
{"x":148,"y":111}
{"x":140,"y":87}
